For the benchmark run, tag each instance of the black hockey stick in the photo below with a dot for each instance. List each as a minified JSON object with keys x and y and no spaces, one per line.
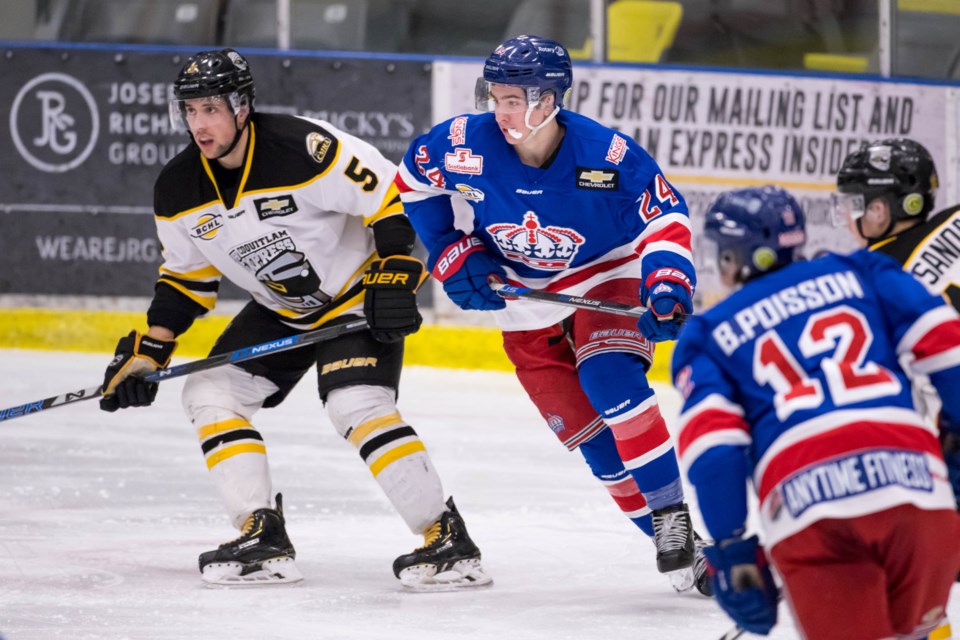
{"x":607,"y":306}
{"x":733,"y":634}
{"x":240,"y":355}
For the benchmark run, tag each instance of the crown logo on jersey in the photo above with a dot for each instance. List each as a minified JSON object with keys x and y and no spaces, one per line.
{"x":545,"y":248}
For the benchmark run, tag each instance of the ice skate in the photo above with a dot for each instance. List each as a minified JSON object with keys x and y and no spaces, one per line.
{"x":673,"y":537}
{"x":447,"y":561}
{"x":263,"y":554}
{"x":701,"y":574}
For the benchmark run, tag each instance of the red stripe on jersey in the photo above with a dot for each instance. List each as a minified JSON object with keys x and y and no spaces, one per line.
{"x":844,"y":440}
{"x":401,"y":185}
{"x":942,"y":337}
{"x":674,"y":232}
{"x":709,"y":421}
{"x":640,"y":435}
{"x":580,"y":276}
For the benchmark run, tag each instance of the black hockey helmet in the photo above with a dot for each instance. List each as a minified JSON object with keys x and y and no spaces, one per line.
{"x":214,"y":73}
{"x":901,"y":171}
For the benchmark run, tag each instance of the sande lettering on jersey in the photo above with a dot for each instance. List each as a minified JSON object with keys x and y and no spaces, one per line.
{"x":599,"y":209}
{"x":797,"y":371}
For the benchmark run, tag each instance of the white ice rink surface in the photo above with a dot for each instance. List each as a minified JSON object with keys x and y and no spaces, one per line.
{"x":102,"y":517}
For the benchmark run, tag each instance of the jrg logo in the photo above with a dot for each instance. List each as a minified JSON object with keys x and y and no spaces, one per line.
{"x":54,"y":122}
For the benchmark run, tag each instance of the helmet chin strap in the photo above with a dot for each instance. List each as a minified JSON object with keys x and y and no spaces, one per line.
{"x":236,"y":139}
{"x":516,"y":135}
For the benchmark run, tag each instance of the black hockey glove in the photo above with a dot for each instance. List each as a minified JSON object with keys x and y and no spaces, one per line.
{"x":390,"y":301}
{"x":136,"y":355}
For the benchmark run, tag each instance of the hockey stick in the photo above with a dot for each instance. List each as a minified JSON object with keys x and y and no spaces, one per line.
{"x":240,"y":355}
{"x":733,"y":634}
{"x":607,"y":306}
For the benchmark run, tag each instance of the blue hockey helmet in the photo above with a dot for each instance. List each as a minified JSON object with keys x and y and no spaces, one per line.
{"x":539,"y":65}
{"x":756,"y":230}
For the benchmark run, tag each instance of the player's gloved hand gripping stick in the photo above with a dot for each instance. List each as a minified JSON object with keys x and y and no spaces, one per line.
{"x":240,"y":355}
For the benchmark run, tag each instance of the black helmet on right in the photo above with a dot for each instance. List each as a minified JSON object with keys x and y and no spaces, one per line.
{"x":899,"y":170}
{"x":213,"y":73}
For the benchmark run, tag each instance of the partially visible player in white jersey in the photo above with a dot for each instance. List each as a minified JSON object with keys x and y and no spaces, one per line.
{"x":306,"y":219}
{"x":555,"y":201}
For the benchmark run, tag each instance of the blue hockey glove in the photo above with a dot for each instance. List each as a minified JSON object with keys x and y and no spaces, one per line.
{"x":123,"y":384}
{"x":464,"y":267}
{"x":743,"y":584}
{"x":668,"y":297}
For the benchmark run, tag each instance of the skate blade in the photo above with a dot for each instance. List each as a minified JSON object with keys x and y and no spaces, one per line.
{"x":230,"y":574}
{"x":682,"y":579}
{"x":465,"y":574}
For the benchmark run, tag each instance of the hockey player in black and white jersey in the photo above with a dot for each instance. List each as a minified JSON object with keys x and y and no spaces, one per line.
{"x":306,"y":219}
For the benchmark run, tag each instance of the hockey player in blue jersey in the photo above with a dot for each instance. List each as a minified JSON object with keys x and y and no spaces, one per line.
{"x":552,"y":200}
{"x":795,"y":382}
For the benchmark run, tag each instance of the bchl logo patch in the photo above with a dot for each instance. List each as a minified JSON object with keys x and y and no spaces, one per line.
{"x":470,"y":193}
{"x":598,"y":179}
{"x":317,"y":146}
{"x":207,"y":226}
{"x":545,"y":248}
{"x":273,"y":207}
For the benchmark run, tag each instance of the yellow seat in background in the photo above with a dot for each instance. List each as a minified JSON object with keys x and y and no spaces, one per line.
{"x":641,"y":30}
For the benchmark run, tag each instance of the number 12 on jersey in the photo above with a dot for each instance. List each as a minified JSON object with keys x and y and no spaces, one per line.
{"x":842,"y":336}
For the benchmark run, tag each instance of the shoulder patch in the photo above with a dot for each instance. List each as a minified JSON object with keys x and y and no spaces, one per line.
{"x":617,"y":149}
{"x":322,"y":148}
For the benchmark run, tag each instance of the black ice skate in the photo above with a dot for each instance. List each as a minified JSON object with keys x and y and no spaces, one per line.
{"x":263,"y":554}
{"x":448,"y":559}
{"x":701,"y":575}
{"x":673,"y":536}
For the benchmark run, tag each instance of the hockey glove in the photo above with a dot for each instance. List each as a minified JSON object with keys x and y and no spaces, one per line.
{"x":464,"y":267}
{"x":743,"y":583}
{"x":668,"y":297}
{"x":390,"y":298}
{"x":136,"y":355}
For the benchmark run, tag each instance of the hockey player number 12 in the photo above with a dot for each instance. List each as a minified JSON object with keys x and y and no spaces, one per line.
{"x":843,"y":336}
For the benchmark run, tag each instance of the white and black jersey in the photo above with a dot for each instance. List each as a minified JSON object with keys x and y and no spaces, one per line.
{"x":291,"y":226}
{"x":931,"y":252}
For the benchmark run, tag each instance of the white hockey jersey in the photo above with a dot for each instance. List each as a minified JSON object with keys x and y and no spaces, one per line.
{"x":295,"y":235}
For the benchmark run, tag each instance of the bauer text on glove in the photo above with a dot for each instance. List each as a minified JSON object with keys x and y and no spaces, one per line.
{"x":668,"y":296}
{"x":464,"y":267}
{"x":136,"y":354}
{"x":390,"y":298}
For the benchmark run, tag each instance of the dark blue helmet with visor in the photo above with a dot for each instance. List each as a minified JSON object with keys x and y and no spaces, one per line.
{"x":755,"y":230}
{"x":539,"y":65}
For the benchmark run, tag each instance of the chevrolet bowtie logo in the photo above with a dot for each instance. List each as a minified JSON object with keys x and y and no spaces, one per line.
{"x":276,"y":204}
{"x":595,"y":175}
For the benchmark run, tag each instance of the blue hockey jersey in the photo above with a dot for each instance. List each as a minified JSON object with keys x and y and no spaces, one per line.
{"x":601,"y":209}
{"x":795,"y":381}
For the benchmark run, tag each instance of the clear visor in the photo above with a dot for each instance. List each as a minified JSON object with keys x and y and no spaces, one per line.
{"x":513,"y":103}
{"x":716,"y":269}
{"x":184,"y":113}
{"x":846,"y":208}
